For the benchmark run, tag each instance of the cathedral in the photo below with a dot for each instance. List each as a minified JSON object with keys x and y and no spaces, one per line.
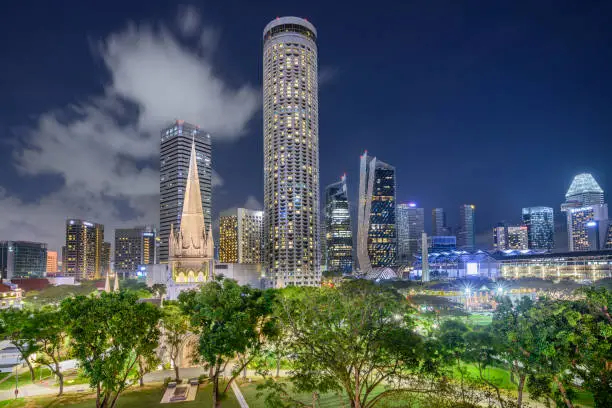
{"x":191,"y":259}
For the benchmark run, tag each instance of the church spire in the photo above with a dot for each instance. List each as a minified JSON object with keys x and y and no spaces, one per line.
{"x":192,"y":219}
{"x":116,"y":285}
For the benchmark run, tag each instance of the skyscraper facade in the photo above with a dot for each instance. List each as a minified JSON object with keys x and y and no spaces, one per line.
{"x":84,"y":250}
{"x":51,"y":262}
{"x":338,"y":235}
{"x":382,"y":242}
{"x":581,"y":221}
{"x":175,"y":148}
{"x":23,"y":259}
{"x":466,"y":236}
{"x":134,"y":247}
{"x":584,"y":190}
{"x":540,"y":223}
{"x":241,"y":237}
{"x":228,"y":238}
{"x":410,"y":228}
{"x":518,"y":237}
{"x":291,"y":153}
{"x":438,"y":222}
{"x":500,"y":237}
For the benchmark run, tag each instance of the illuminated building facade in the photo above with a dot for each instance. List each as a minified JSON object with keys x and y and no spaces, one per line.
{"x":23,"y":259}
{"x":241,"y":237}
{"x":291,"y":153}
{"x":540,"y":223}
{"x":175,"y":150}
{"x":518,"y":238}
{"x":438,"y":222}
{"x":608,"y":241}
{"x":134,"y":247}
{"x":466,"y":236}
{"x":410,"y":228}
{"x":84,"y":250}
{"x":500,"y":237}
{"x":51,"y":262}
{"x":382,"y":236}
{"x":228,"y":238}
{"x":442,"y":243}
{"x":581,"y":223}
{"x":338,"y":233}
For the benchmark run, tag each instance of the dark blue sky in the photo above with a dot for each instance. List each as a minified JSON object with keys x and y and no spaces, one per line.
{"x":495,"y":103}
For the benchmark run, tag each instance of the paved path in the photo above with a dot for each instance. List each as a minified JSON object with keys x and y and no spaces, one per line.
{"x":239,"y":396}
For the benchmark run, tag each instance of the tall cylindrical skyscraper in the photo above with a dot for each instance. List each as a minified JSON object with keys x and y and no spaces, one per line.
{"x":291,"y":153}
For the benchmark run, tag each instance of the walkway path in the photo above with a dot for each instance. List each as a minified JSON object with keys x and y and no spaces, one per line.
{"x":239,"y":396}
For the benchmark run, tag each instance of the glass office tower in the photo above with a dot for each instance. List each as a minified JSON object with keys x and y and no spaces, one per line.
{"x":540,"y":222}
{"x":410,"y":228}
{"x":466,"y":236}
{"x":338,"y":235}
{"x":23,"y":259}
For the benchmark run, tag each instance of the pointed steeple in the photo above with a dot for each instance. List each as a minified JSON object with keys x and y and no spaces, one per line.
{"x":107,"y":284}
{"x":192,"y":218}
{"x":116,"y":285}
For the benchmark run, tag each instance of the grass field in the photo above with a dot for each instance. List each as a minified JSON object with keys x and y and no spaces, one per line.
{"x":147,"y":397}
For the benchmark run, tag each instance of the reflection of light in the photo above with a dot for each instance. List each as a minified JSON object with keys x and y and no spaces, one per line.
{"x":591,"y":224}
{"x":472,"y":268}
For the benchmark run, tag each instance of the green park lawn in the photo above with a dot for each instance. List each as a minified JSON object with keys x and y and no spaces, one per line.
{"x":147,"y":397}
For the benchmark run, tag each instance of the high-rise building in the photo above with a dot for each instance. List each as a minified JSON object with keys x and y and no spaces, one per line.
{"x":23,"y":259}
{"x":291,"y":153}
{"x":466,"y":236}
{"x":438,"y":222}
{"x":584,"y":190}
{"x":540,"y":224}
{"x":134,"y":247}
{"x":51,"y":262}
{"x":338,"y":235}
{"x":584,"y":205}
{"x":175,"y":149}
{"x":500,"y":237}
{"x":105,"y":261}
{"x":410,"y":228}
{"x":518,"y":237}
{"x":241,"y":237}
{"x":228,"y":238}
{"x":84,"y":249}
{"x":586,"y":225}
{"x":442,"y":243}
{"x":608,"y":242}
{"x":376,"y":229}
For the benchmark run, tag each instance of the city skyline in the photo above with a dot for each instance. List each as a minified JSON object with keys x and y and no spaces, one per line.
{"x":38,"y":214}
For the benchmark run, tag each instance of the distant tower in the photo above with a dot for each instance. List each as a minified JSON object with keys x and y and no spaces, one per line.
{"x":241,"y":236}
{"x":438,"y":222}
{"x":376,"y":215}
{"x":291,"y":153}
{"x":175,"y":149}
{"x":424,"y":259}
{"x":85,"y":250}
{"x":584,"y":206}
{"x":134,"y":247}
{"x":540,"y":222}
{"x":410,"y":227}
{"x":466,"y":237}
{"x":338,"y":235}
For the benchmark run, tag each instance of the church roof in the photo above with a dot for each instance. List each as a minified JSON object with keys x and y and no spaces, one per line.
{"x":583,"y":183}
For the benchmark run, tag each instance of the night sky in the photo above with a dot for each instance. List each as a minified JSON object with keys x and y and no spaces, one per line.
{"x":495,"y":103}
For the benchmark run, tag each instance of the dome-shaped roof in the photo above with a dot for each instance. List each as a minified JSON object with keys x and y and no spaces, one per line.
{"x":583,"y":183}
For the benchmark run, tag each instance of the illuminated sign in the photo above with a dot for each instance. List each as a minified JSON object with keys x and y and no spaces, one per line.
{"x":148,"y":234}
{"x":88,"y":224}
{"x":472,"y":268}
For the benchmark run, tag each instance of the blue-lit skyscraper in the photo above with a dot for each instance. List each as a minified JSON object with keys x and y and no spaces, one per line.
{"x":338,"y":236}
{"x":410,"y":228}
{"x":466,"y":236}
{"x":175,"y":151}
{"x":540,"y":224}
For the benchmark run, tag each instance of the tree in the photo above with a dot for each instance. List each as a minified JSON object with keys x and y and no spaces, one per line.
{"x":175,"y":330}
{"x":512,"y":329}
{"x":591,"y":353}
{"x":51,"y":335}
{"x":352,"y":339}
{"x":231,"y":321}
{"x":158,"y":289}
{"x":17,"y":326}
{"x":111,"y":333}
{"x":453,"y":344}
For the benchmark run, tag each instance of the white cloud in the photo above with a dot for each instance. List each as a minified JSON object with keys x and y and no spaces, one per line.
{"x":105,"y":155}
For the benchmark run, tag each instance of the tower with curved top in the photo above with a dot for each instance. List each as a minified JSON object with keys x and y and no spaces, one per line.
{"x":291,"y":153}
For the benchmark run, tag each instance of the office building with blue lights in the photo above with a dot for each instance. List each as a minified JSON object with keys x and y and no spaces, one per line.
{"x":337,"y":227}
{"x":540,"y":223}
{"x":410,"y":228}
{"x":466,"y":234}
